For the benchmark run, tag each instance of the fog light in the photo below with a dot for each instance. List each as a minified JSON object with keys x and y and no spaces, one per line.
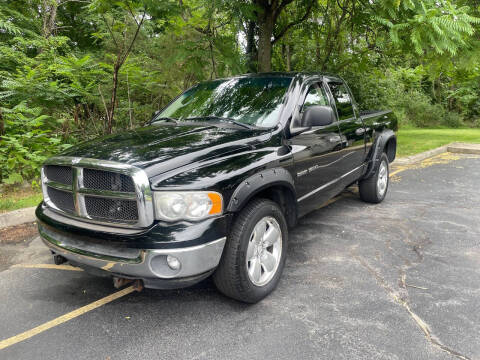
{"x":173,"y":262}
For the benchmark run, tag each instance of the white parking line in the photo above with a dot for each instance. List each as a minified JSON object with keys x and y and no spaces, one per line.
{"x":64,"y":318}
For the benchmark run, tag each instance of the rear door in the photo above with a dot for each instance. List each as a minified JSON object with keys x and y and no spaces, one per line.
{"x":316,"y":153}
{"x":351,"y":127}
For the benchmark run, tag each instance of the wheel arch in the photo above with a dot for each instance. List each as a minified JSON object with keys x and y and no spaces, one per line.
{"x":276,"y":184}
{"x":385,"y":142}
{"x":390,"y":148}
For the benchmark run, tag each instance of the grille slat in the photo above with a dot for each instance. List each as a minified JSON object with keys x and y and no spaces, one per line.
{"x":111,"y":209}
{"x":62,"y":199}
{"x":61,"y":174}
{"x":107,"y":180}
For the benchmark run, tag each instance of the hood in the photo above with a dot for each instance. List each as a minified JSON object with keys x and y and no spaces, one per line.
{"x":161,"y":147}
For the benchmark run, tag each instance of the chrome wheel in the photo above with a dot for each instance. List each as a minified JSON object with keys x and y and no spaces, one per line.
{"x":382,"y":180}
{"x":264,"y":251}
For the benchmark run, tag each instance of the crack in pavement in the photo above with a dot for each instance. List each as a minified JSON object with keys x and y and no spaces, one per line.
{"x":403,"y":302}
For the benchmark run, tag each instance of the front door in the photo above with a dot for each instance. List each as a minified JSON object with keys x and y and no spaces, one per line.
{"x":351,"y":128}
{"x":315,"y":154}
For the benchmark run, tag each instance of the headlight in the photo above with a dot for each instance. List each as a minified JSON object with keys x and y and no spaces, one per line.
{"x":188,"y":205}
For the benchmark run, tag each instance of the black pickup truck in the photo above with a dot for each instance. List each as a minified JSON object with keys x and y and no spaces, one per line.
{"x":213,"y":183}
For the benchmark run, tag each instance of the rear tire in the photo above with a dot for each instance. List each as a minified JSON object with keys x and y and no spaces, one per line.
{"x":374,"y":189}
{"x":254,"y":255}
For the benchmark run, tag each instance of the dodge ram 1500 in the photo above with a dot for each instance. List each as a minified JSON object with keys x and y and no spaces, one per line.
{"x":212,"y":185}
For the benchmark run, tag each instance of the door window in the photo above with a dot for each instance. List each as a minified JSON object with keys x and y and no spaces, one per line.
{"x":342,"y":100}
{"x":315,"y":96}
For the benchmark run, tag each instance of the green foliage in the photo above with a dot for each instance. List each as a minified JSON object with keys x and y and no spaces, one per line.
{"x":27,"y":143}
{"x":418,"y":111}
{"x":426,"y":25}
{"x":403,"y":91}
{"x":58,"y":61}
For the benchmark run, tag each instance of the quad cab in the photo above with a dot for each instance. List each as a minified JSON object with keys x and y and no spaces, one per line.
{"x":212,"y":185}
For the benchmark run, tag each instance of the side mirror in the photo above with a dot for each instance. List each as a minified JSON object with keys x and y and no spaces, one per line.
{"x":317,"y":115}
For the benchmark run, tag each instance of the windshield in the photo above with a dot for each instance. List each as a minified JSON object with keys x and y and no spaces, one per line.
{"x":254,"y":101}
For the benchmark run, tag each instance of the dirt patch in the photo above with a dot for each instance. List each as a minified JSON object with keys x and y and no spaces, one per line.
{"x":13,"y":241}
{"x":23,"y":233}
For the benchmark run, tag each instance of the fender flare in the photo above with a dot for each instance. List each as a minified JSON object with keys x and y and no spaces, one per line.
{"x":258,"y":182}
{"x":377,"y":150}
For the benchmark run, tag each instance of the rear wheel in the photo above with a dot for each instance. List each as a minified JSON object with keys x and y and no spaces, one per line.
{"x":254,"y":255}
{"x":374,"y":189}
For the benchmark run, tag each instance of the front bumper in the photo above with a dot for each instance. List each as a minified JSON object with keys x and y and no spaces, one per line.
{"x":150,"y":265}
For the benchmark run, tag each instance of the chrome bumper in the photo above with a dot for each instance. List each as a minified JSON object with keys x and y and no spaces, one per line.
{"x":133,"y":263}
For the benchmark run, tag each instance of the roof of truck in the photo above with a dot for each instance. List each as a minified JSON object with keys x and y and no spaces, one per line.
{"x":291,"y":74}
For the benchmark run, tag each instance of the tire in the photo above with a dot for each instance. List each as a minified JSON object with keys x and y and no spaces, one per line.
{"x":374,"y":189}
{"x":258,"y":222}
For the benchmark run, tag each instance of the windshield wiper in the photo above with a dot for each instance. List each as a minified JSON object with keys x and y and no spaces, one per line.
{"x":166,"y":119}
{"x":222,"y":119}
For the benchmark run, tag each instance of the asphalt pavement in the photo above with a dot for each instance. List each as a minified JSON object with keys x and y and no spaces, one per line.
{"x":398,"y":280}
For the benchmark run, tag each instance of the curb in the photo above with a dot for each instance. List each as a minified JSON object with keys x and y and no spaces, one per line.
{"x":17,"y":217}
{"x":455,"y":147}
{"x":422,"y":156}
{"x":463,"y":148}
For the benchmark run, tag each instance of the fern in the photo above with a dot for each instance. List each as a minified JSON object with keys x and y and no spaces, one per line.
{"x":428,"y":25}
{"x":9,"y":28}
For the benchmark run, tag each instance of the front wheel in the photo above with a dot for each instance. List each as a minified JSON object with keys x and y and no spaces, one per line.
{"x":374,"y":189}
{"x":254,"y":255}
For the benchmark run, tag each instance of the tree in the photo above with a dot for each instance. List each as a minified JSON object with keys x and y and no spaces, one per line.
{"x":71,"y":70}
{"x":261,"y":19}
{"x":122,"y":21}
{"x":440,"y":27}
{"x":49,"y":14}
{"x":269,"y":33}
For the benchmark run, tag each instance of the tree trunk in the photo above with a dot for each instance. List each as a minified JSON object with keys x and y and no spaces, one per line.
{"x":122,"y":53}
{"x":111,"y":110}
{"x":49,"y":9}
{"x":266,"y":18}
{"x":212,"y":57}
{"x":130,"y":115}
{"x":2,"y":125}
{"x":66,"y":128}
{"x":288,"y":56}
{"x":265,"y":31}
{"x":317,"y":49}
{"x":76,"y":114}
{"x":251,"y":48}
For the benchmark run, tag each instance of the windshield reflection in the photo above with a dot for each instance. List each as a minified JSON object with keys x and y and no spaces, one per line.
{"x":251,"y":100}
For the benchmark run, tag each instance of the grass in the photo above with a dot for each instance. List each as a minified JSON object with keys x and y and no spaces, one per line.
{"x":413,"y":141}
{"x":410,"y":141}
{"x":13,"y":199}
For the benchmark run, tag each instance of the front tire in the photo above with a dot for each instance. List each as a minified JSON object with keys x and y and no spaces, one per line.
{"x":374,"y":189}
{"x":254,"y":255}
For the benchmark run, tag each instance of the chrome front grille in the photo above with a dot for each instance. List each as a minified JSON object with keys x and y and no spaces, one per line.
{"x":111,"y":209}
{"x":107,"y":180}
{"x":62,"y":199}
{"x":98,"y":191}
{"x":61,"y":174}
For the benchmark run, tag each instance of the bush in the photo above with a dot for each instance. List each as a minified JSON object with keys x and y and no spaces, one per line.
{"x":418,"y":110}
{"x":453,"y":120}
{"x":26,"y":143}
{"x":401,"y":90}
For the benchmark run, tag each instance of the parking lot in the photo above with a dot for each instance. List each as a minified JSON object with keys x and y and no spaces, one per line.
{"x":398,"y":280}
